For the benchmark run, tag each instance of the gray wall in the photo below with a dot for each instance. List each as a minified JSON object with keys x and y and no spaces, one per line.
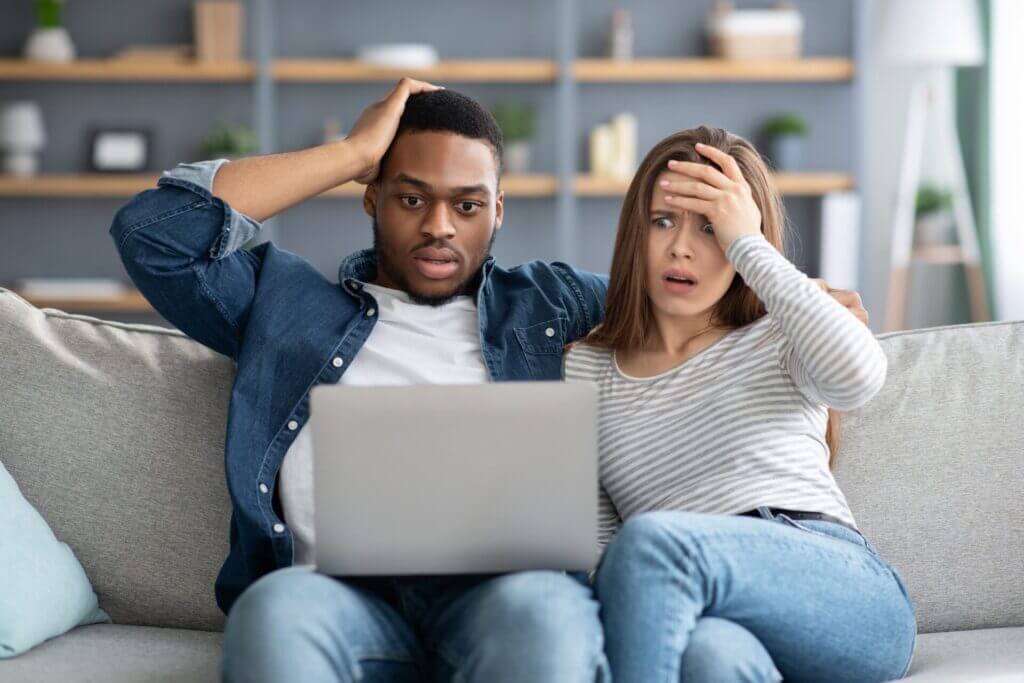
{"x":49,"y":237}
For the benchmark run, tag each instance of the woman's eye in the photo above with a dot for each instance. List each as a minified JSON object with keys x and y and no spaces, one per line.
{"x":708,"y":229}
{"x":411,"y":201}
{"x":662,"y":223}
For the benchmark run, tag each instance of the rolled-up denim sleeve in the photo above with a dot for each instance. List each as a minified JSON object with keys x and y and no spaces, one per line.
{"x":181,"y":246}
{"x":240,"y":228}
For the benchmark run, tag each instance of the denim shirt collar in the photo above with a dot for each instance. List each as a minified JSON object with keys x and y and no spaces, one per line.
{"x":361,"y":267}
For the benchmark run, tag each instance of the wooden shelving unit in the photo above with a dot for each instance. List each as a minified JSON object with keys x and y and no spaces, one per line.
{"x":706,"y":69}
{"x":135,"y":70}
{"x":790,"y":184}
{"x":97,"y":185}
{"x":129,"y":302}
{"x":478,"y":70}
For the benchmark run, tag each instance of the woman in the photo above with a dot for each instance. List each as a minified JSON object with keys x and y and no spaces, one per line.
{"x":716,"y":366}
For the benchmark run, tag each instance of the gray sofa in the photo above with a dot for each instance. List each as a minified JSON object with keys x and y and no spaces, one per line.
{"x":115,"y":433}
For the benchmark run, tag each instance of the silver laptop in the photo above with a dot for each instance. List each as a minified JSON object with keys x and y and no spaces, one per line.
{"x":454,"y":479}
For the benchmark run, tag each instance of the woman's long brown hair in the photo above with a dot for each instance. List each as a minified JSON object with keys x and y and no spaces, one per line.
{"x":629,"y":316}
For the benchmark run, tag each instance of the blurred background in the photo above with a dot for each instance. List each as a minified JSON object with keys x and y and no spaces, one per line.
{"x":892,"y":126}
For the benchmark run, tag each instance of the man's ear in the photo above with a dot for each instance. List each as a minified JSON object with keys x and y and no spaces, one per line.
{"x":370,"y":200}
{"x":499,"y":210}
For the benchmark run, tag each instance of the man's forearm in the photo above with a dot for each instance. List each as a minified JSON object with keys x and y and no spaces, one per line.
{"x":264,"y":186}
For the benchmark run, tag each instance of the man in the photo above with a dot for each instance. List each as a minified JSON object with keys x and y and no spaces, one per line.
{"x":426,"y":305}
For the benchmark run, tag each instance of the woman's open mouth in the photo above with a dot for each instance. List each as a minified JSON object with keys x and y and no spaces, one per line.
{"x":679,"y":282}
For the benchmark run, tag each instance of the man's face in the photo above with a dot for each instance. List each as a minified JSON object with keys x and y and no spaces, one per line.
{"x":436,"y":211}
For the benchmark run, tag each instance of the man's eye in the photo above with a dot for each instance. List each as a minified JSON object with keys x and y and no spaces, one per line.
{"x":468,"y":207}
{"x":411,"y":201}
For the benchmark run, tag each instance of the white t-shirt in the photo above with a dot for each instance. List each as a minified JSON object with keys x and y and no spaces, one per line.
{"x":410,"y":344}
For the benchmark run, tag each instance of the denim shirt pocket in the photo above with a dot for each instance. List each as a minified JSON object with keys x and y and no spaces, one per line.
{"x":542,"y":345}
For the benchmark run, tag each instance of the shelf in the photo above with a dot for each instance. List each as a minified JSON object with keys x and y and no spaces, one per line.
{"x":943,"y":254}
{"x":129,"y":302}
{"x":709,"y":69}
{"x":100,"y":185}
{"x":790,"y":184}
{"x":479,"y":70}
{"x":87,"y":185}
{"x":126,"y":70}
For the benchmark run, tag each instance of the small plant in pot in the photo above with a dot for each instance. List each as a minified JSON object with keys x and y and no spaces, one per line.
{"x":517,"y":127}
{"x":784,"y":137}
{"x":933,"y":216}
{"x":229,"y":141}
{"x":49,"y":40}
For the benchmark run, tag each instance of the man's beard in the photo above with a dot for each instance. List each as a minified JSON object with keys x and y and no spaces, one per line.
{"x":397,"y":277}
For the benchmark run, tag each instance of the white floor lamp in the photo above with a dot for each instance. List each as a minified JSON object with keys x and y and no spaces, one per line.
{"x":937,"y":35}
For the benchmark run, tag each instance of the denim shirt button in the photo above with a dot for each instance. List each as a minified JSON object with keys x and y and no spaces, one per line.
{"x":279,"y":528}
{"x":337,"y":362}
{"x":371,"y":312}
{"x":293,"y":425}
{"x":550,"y":332}
{"x":263,"y":488}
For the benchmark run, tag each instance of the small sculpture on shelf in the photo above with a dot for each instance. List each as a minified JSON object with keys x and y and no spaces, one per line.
{"x":49,"y":41}
{"x":784,"y":137}
{"x":517,"y":128}
{"x":620,"y":38}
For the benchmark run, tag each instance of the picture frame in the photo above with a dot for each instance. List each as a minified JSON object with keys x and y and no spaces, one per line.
{"x":120,"y":150}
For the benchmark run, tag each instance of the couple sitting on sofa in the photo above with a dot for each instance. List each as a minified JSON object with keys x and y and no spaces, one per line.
{"x":731,"y":554}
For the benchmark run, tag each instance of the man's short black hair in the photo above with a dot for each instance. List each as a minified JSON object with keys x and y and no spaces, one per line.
{"x":450,"y":112}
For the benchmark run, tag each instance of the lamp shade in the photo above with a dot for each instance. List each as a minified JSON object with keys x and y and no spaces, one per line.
{"x":21,"y":127}
{"x":932,"y":33}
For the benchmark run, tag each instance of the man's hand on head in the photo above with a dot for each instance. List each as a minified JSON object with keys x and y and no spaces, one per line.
{"x":847,"y":297}
{"x":376,"y":127}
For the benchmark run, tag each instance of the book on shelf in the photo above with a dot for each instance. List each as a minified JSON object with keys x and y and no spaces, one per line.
{"x":70,"y":288}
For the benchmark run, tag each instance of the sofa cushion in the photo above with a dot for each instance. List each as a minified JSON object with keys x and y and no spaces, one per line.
{"x":108,"y":653}
{"x":115,"y":433}
{"x":995,"y":654}
{"x":933,"y":468}
{"x":43,"y":589}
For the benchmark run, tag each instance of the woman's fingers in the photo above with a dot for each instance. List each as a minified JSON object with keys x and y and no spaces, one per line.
{"x":724,"y":160}
{"x":681,"y":185}
{"x":712,"y":176}
{"x":701,"y":206}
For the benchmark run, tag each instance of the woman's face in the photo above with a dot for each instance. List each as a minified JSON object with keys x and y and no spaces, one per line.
{"x":687,"y":272}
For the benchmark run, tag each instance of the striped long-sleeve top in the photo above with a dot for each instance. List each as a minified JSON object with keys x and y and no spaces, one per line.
{"x":742,"y":423}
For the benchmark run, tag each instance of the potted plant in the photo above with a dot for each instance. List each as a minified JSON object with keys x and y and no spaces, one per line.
{"x":933,"y":215}
{"x":229,"y":141}
{"x":784,"y":138}
{"x":517,"y":127}
{"x":49,"y":41}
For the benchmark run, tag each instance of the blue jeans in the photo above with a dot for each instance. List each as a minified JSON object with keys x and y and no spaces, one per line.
{"x":297,"y":625}
{"x":698,"y":597}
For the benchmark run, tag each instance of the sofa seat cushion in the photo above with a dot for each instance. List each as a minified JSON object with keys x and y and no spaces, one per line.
{"x":991,"y":654}
{"x":109,"y":653}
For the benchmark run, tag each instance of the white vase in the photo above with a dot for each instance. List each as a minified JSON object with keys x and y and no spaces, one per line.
{"x":50,"y":45}
{"x":935,"y":227}
{"x":517,"y":157}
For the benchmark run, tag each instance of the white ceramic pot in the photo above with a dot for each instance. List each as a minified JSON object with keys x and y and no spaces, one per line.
{"x":50,"y":45}
{"x":517,"y":157}
{"x":935,"y":227}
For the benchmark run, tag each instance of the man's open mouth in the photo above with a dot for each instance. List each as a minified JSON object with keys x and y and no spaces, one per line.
{"x":435,"y":264}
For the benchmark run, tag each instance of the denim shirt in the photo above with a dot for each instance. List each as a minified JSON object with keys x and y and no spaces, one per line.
{"x":285,"y":324}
